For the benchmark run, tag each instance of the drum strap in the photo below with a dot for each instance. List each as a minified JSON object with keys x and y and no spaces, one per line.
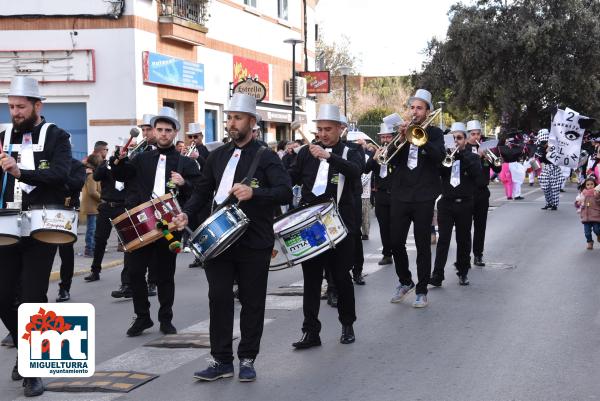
{"x":4,"y":180}
{"x":342,"y":179}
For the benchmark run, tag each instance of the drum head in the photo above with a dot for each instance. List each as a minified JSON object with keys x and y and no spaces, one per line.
{"x":7,"y":240}
{"x":298,"y":216}
{"x":54,"y":237}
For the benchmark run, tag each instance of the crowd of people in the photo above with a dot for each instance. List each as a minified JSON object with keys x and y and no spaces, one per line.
{"x":408,"y":176}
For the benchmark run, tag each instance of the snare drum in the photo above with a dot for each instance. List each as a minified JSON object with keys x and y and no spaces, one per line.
{"x":10,"y":226}
{"x":137,"y":227}
{"x":218,"y":232}
{"x":305,"y":233}
{"x":52,"y":224}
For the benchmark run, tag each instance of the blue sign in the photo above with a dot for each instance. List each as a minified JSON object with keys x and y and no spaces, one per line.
{"x":165,"y":70}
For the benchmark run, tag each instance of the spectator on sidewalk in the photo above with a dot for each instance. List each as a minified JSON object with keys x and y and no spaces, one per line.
{"x":90,"y":199}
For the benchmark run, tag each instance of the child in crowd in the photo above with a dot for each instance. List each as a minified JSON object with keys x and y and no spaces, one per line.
{"x":588,"y":204}
{"x":506,"y":179}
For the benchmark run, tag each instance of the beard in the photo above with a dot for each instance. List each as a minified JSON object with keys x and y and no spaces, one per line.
{"x":27,"y":124}
{"x":239,"y":136}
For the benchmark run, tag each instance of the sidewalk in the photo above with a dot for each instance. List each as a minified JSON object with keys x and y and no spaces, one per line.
{"x":112,"y":258}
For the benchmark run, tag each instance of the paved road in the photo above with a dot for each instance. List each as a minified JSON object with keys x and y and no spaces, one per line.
{"x":524,"y":333}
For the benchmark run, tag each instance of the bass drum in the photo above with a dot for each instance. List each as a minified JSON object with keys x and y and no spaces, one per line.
{"x":305,"y":233}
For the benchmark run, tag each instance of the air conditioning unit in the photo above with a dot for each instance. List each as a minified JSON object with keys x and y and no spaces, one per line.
{"x":300,"y":88}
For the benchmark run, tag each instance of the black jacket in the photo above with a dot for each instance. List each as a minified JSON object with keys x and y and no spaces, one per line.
{"x":471,"y":176}
{"x":108,"y":192}
{"x":482,"y":191}
{"x":304,"y":172}
{"x":270,"y":184}
{"x":423,"y":182}
{"x":50,"y":182}
{"x":75,"y":183}
{"x":381,"y":185}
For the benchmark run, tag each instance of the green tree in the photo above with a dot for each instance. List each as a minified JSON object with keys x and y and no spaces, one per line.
{"x":517,"y":60}
{"x":332,"y":56}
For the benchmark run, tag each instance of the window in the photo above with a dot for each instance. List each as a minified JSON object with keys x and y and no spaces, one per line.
{"x":251,"y":3}
{"x":282,"y":9}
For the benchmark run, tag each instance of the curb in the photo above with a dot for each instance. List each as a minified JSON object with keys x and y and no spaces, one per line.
{"x":55,"y":275}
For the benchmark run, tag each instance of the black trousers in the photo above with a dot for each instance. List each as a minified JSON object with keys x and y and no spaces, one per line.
{"x":454,"y":214}
{"x":250,"y":268}
{"x":26,"y":266}
{"x":359,"y":256}
{"x":103,"y":229}
{"x":67,"y":265}
{"x":383,"y":214}
{"x":139,"y":259}
{"x":481,"y":205}
{"x":421,"y":215}
{"x":339,"y":260}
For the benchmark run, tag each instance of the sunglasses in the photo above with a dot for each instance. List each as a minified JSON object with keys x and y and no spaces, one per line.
{"x":193,"y":136}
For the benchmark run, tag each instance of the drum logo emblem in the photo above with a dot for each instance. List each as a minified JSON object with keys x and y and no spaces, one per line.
{"x":157,"y":214}
{"x":142,"y":217}
{"x":254,"y":183}
{"x":274,"y":253}
{"x":68,"y":225}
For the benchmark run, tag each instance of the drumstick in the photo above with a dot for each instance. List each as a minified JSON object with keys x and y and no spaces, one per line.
{"x":133,"y":133}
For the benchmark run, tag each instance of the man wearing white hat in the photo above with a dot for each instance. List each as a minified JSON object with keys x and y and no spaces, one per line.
{"x":248,"y":259}
{"x":328,"y":170}
{"x":415,"y":186}
{"x":455,"y":207}
{"x":383,"y":189}
{"x":481,"y":199}
{"x":35,"y":157}
{"x":195,"y":136}
{"x":151,"y":174}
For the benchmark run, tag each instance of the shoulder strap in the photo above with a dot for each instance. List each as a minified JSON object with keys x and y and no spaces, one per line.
{"x":254,"y":164}
{"x":342,"y":179}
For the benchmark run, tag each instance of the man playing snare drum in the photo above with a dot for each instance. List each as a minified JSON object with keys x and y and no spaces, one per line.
{"x":327,"y":170}
{"x":248,"y":258}
{"x":38,"y":155}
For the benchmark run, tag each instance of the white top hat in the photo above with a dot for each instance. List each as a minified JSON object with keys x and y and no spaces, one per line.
{"x":458,"y":126}
{"x":242,"y":103}
{"x":473,"y":125}
{"x":25,"y":86}
{"x":146,"y":120}
{"x":424,"y":95}
{"x":256,"y":127}
{"x":195,"y":128}
{"x":343,"y":120}
{"x":385,"y":129}
{"x":329,"y":112}
{"x":166,"y":113}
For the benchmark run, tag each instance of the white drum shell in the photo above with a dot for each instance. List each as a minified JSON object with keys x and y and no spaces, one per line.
{"x":55,"y":226}
{"x":10,"y":229}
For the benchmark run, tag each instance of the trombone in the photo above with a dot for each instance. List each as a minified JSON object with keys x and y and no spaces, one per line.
{"x":415,"y":134}
{"x":494,"y":160}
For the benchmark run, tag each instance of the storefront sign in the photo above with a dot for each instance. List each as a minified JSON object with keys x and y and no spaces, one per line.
{"x":166,"y":70}
{"x":280,"y":116}
{"x":244,"y":68}
{"x":316,"y":81}
{"x":251,"y":87}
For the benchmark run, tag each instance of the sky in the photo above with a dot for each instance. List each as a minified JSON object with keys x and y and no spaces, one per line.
{"x":387,"y":36}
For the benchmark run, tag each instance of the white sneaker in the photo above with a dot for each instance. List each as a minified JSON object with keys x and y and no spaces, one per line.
{"x":401,"y":292}
{"x":421,"y":301}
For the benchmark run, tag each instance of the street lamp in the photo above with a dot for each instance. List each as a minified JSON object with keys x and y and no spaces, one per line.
{"x":293,"y":42}
{"x":345,"y":71}
{"x":441,"y":115}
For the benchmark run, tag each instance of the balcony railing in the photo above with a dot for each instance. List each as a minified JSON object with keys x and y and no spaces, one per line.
{"x":195,"y":11}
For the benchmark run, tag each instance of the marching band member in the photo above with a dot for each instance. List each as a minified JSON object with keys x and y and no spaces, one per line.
{"x":247,"y":260}
{"x":551,"y":177}
{"x":156,"y":173}
{"x":415,"y":186}
{"x":38,"y":155}
{"x":196,"y":138}
{"x":455,"y":207}
{"x":481,"y":198}
{"x":326,"y":170}
{"x":383,"y":186}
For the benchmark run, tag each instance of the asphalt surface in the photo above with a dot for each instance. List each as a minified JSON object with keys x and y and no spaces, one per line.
{"x":525,"y":329}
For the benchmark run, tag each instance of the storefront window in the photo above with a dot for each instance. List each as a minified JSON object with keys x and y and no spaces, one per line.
{"x":282,"y":9}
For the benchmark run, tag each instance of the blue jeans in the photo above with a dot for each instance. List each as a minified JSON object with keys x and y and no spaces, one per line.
{"x":89,"y":232}
{"x":587,"y":229}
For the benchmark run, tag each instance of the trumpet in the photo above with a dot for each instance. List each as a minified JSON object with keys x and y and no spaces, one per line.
{"x":190,"y":150}
{"x":491,"y":157}
{"x":415,"y":134}
{"x":449,"y":159}
{"x":139,"y":148}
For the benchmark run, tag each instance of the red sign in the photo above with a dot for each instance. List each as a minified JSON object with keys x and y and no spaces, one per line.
{"x":245,"y":67}
{"x":316,"y":81}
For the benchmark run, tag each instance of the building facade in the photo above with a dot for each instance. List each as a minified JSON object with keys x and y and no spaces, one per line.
{"x":102,"y":65}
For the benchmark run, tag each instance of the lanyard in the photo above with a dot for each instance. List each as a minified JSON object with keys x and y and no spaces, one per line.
{"x":5,"y":178}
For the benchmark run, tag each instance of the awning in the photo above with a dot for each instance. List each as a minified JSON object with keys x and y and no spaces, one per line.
{"x":279,"y":115}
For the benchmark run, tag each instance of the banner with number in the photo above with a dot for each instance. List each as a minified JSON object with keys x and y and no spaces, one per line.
{"x":564,"y":143}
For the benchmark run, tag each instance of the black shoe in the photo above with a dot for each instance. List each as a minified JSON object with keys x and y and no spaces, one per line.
{"x":167,"y":328}
{"x":15,"y":375}
{"x":546,"y":207}
{"x":7,"y":341}
{"x":553,"y":207}
{"x":562,"y":190}
{"x":386,"y":260}
{"x":196,"y":263}
{"x":478,"y":261}
{"x":519,"y":198}
{"x":63,"y":295}
{"x":347,"y":335}
{"x":151,"y":289}
{"x":463,"y":280}
{"x":34,"y":386}
{"x":332,"y":299}
{"x":308,"y":340}
{"x":139,"y":325}
{"x":436,"y":280}
{"x":358,"y":279}
{"x":123,"y":292}
{"x":93,"y":276}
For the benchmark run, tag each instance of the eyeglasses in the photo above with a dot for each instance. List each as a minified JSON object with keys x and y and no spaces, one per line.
{"x":193,"y":136}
